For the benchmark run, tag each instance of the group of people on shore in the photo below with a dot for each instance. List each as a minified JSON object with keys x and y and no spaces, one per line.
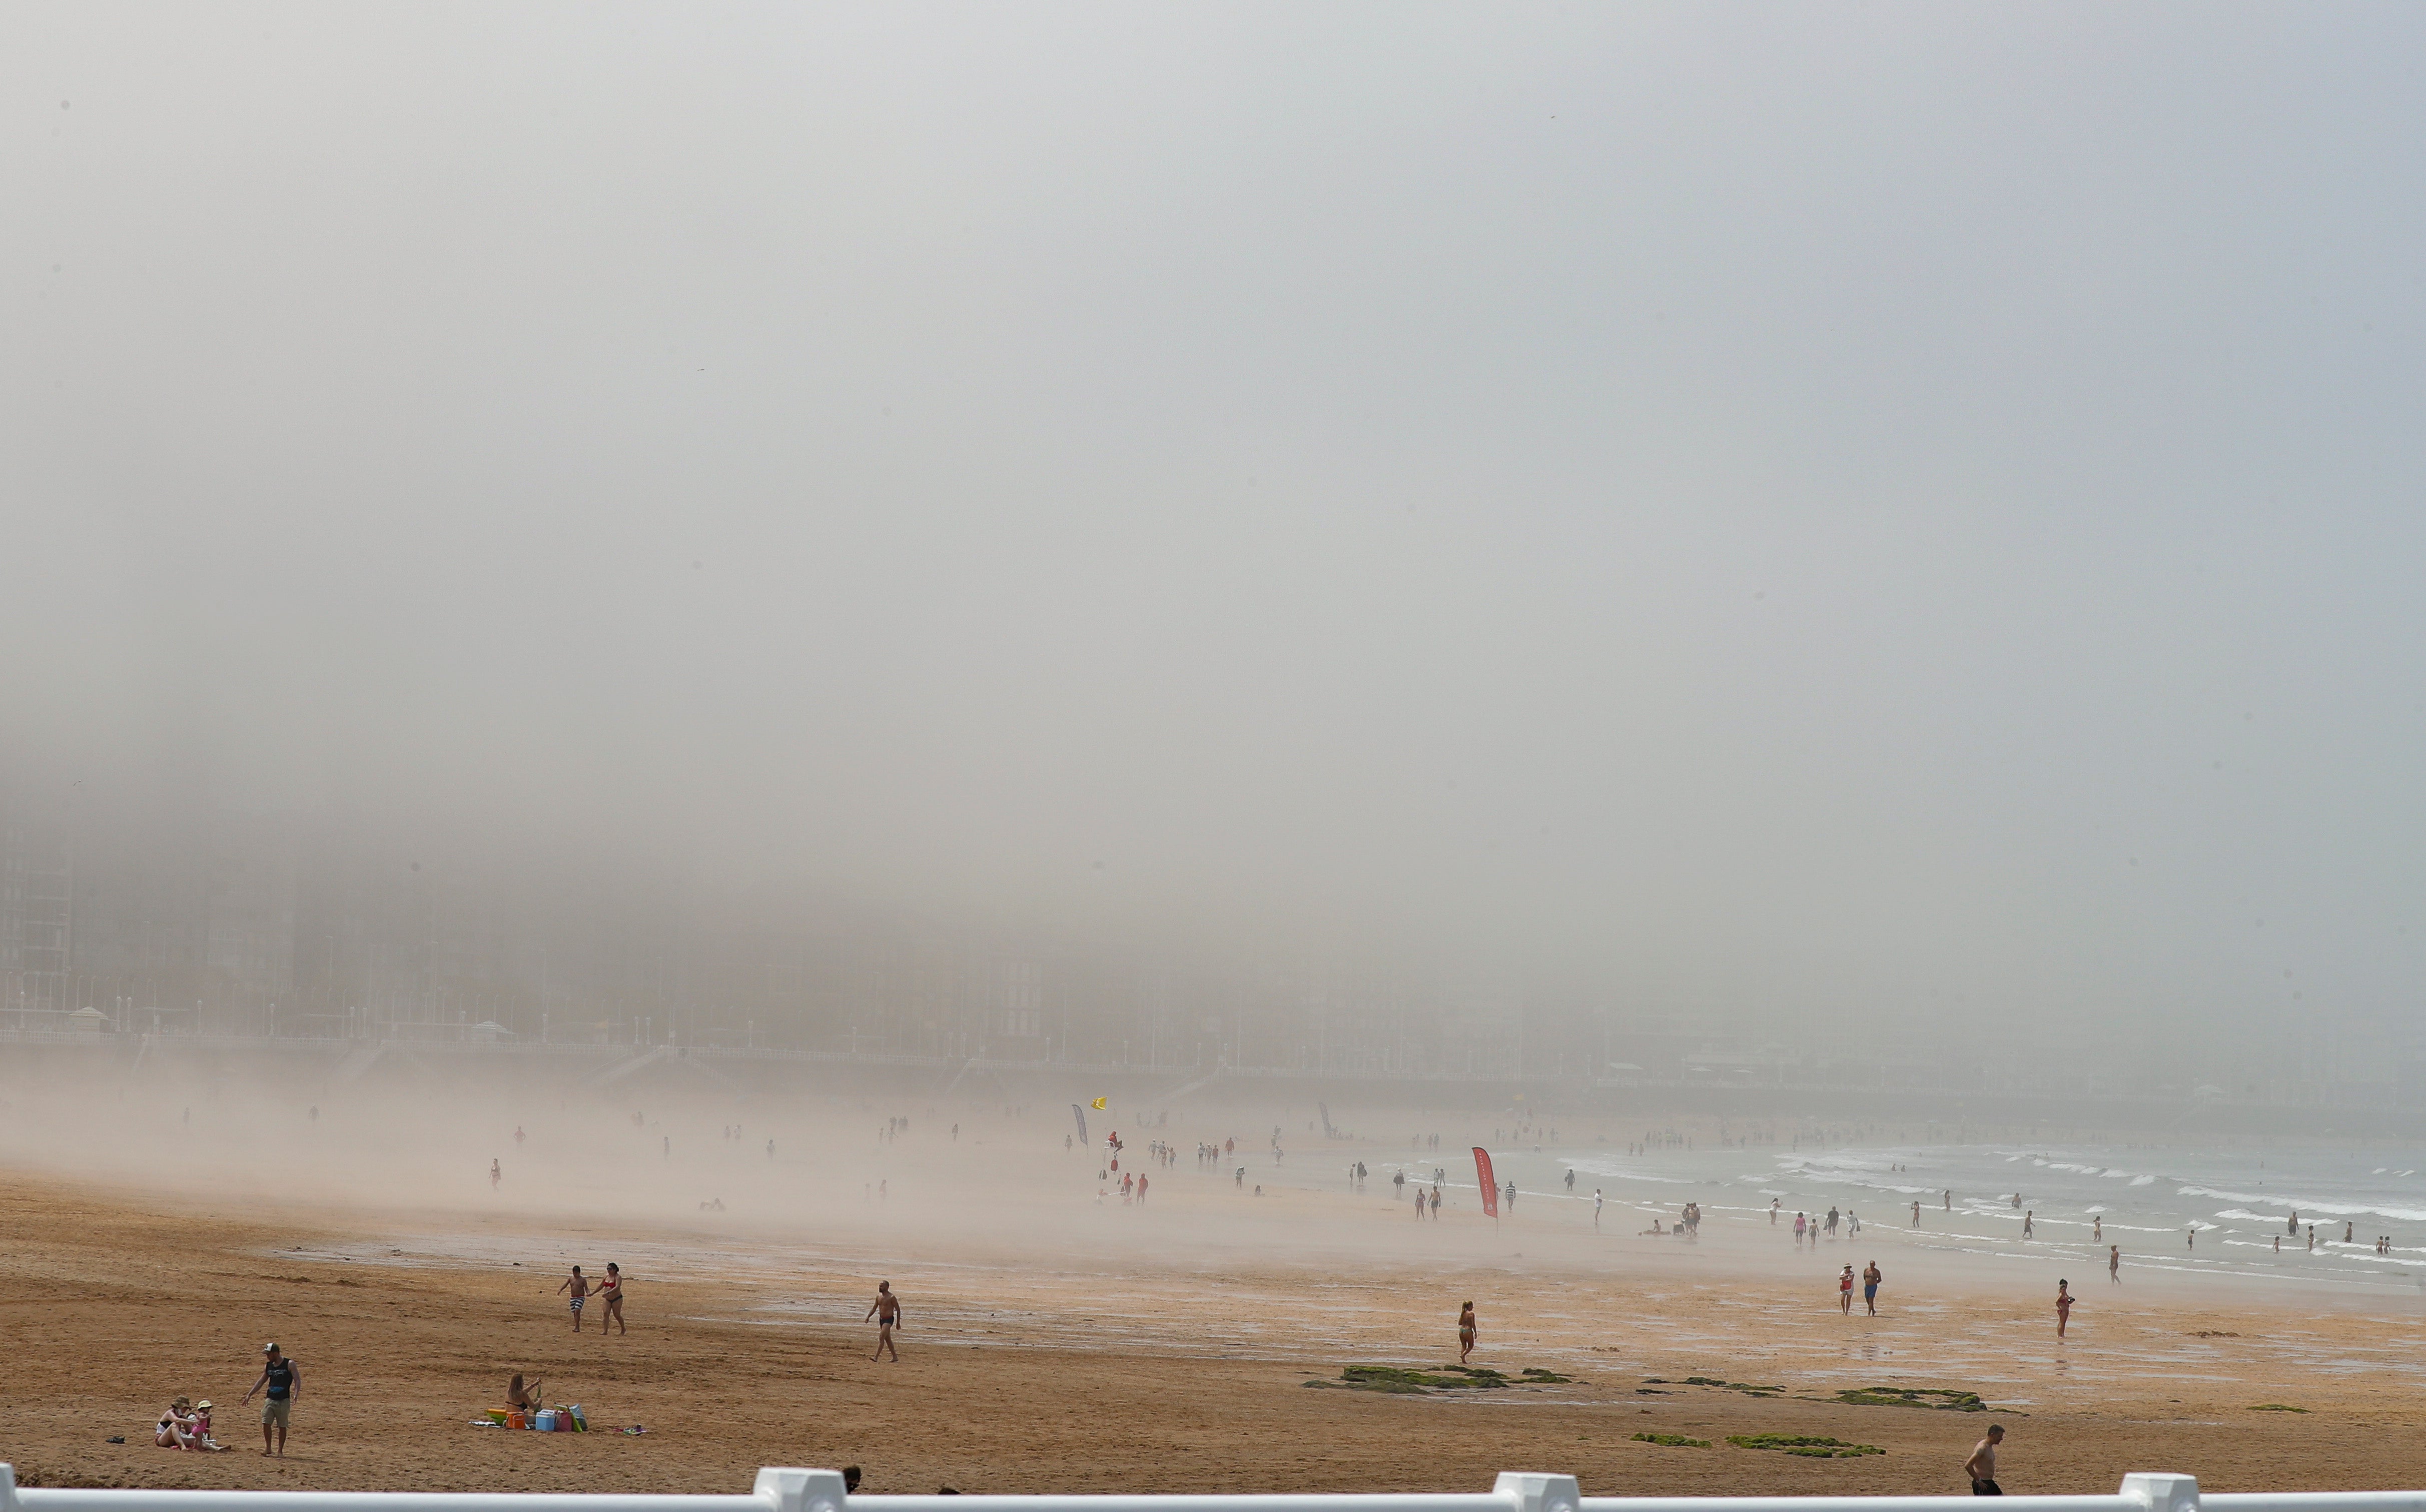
{"x":186,"y":1423}
{"x":609,"y":1289}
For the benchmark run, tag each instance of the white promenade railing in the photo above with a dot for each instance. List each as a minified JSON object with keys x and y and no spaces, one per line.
{"x":822,"y":1490}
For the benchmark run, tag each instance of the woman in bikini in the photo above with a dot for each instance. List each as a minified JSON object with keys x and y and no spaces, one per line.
{"x":178,"y":1429}
{"x":1466,"y":1332}
{"x":610,"y":1295}
{"x":520,"y":1398}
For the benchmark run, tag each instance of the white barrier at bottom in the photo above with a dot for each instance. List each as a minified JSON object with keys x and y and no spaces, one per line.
{"x":822,"y":1490}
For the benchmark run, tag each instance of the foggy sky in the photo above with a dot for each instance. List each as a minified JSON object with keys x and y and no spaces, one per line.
{"x":1818,"y":508}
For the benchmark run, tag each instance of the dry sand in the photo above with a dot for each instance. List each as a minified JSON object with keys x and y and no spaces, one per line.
{"x":1055,"y":1343}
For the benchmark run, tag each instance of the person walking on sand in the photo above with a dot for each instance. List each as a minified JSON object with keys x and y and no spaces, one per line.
{"x":281,"y":1381}
{"x":1872,"y":1276}
{"x":2114,"y":1262}
{"x":2097,"y":1229}
{"x":1596,"y":1209}
{"x":886,"y":1310}
{"x":1467,"y":1331}
{"x":1981,"y":1466}
{"x":578,"y":1285}
{"x":610,"y":1296}
{"x":1845,"y":1291}
{"x":496,"y":1175}
{"x":2063,"y":1306}
{"x":1915,"y":1213}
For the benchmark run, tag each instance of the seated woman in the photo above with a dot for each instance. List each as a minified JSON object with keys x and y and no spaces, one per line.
{"x":525,"y":1399}
{"x":177,"y":1427}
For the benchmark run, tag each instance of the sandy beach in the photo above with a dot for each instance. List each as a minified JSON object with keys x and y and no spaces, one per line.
{"x":1056,"y":1340}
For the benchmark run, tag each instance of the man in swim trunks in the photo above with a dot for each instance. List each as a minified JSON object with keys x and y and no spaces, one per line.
{"x":578,"y":1285}
{"x":886,"y":1310}
{"x":1981,"y":1466}
{"x":284,"y":1383}
{"x":1872,"y":1276}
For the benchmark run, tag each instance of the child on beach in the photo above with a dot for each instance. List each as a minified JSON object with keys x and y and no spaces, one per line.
{"x":578,"y":1285}
{"x":179,"y":1428}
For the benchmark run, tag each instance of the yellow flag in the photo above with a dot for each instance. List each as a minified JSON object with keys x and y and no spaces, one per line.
{"x":1098,"y":1103}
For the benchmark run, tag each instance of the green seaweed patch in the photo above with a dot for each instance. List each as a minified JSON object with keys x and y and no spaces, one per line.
{"x":1393,"y":1378}
{"x":1400,"y":1381}
{"x":1936,"y":1398}
{"x":1806,"y":1445}
{"x":2276,"y":1407}
{"x":1670,"y":1440}
{"x":1733,"y":1386}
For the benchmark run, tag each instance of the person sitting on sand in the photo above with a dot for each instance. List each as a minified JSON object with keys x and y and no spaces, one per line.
{"x":522,"y":1399}
{"x":1656,"y":1229}
{"x":177,"y":1429}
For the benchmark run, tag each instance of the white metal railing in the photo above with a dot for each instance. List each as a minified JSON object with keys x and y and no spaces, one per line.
{"x":822,"y":1490}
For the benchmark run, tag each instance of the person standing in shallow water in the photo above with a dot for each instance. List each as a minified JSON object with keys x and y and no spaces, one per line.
{"x":1467,"y":1331}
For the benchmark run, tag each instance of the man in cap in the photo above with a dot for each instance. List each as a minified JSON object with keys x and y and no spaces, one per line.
{"x":284,"y":1381}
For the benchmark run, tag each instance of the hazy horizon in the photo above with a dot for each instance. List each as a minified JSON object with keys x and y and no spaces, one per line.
{"x":1869,"y":511}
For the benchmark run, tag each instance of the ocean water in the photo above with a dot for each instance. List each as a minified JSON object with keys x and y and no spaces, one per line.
{"x":2150,"y":1199}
